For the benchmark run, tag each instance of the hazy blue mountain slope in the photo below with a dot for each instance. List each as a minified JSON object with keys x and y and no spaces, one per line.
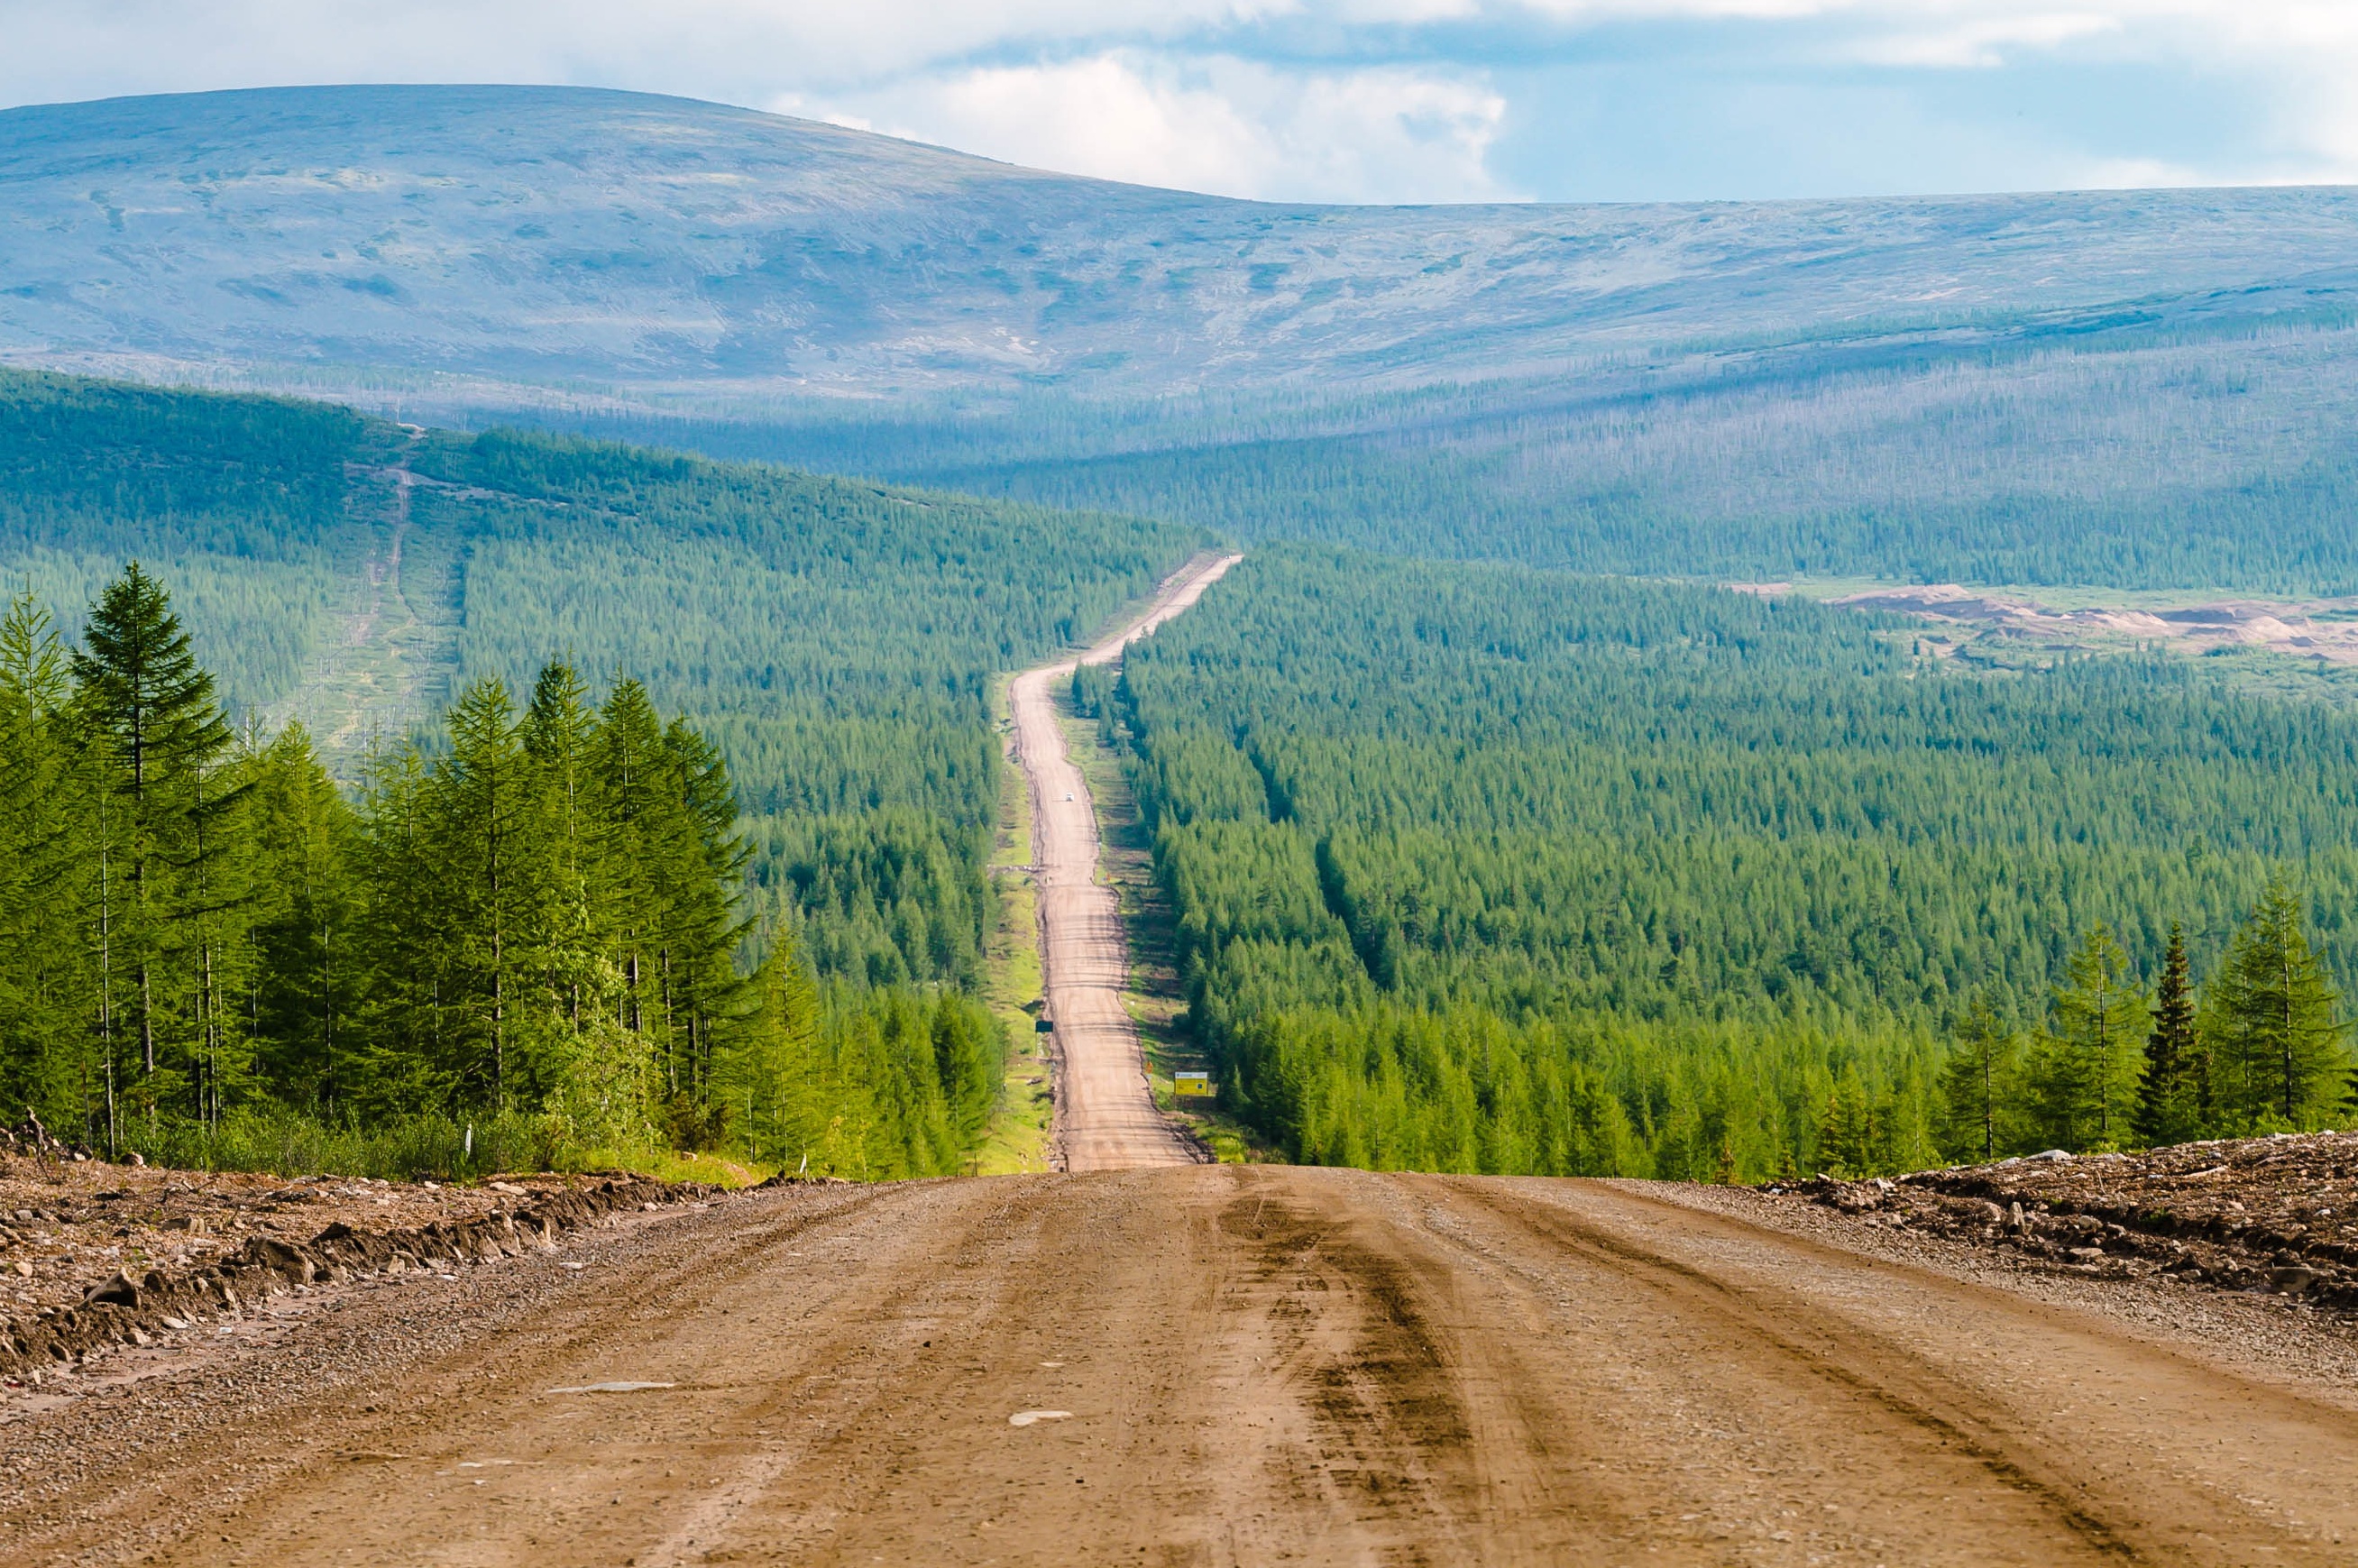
{"x":2136,"y":387}
{"x":549,"y":232}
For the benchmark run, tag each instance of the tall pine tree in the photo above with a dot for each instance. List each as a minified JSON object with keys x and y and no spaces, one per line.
{"x":147,"y":709}
{"x":2174,"y":1102}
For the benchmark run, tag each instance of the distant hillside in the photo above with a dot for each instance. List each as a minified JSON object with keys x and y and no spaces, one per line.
{"x":2135,"y":387}
{"x":545,"y":232}
{"x":838,"y":639}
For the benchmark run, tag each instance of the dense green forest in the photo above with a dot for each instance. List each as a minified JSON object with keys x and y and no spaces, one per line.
{"x":1477,"y":867}
{"x":838,"y":641}
{"x":386,"y":607}
{"x":535,"y":927}
{"x":577,"y":794}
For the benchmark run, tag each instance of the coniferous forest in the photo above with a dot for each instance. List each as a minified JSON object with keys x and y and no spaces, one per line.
{"x":419,"y":800}
{"x":472,"y":800}
{"x":1480,"y":869}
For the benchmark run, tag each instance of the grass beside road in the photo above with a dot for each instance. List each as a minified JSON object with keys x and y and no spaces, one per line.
{"x":1017,"y":1140}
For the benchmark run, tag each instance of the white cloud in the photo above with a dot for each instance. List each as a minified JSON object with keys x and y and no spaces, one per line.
{"x":1231,"y":126}
{"x":1187,"y":92}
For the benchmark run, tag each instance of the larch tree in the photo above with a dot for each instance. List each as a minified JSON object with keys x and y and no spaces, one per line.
{"x":1977,"y":1081}
{"x":50,"y":1018}
{"x":2272,"y":1020}
{"x":484,"y":826}
{"x":2090,"y":1062}
{"x":148,"y":711}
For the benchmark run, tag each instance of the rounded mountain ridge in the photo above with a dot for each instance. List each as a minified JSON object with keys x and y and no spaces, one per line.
{"x":555,"y":234}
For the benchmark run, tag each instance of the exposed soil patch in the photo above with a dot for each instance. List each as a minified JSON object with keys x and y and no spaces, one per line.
{"x":2275,"y":1214}
{"x":96,"y":1257}
{"x":2321,"y":628}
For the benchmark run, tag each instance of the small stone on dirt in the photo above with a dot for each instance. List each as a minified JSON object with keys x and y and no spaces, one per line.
{"x":1029,"y":1418}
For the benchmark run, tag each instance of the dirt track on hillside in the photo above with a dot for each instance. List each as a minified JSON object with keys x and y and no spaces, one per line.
{"x":1255,"y":1365}
{"x":1106,"y":1119}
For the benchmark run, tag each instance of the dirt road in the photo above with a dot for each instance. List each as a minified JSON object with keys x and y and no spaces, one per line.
{"x":1217,"y":1364}
{"x":1106,"y":1120}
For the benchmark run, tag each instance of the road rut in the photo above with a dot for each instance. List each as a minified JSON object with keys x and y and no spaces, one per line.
{"x":1253,"y":1365}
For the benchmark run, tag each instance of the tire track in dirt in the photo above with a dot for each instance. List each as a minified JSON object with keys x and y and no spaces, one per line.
{"x":1776,"y":1309}
{"x":1218,"y":1365}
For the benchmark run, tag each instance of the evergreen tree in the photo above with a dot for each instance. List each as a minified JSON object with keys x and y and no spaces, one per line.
{"x":486,"y":839}
{"x":1977,"y":1082}
{"x":307,"y":971}
{"x":2174,"y":1103}
{"x":1851,"y":1137}
{"x":48,"y":1027}
{"x":559,"y":737}
{"x":157,"y":735}
{"x":700,"y":864}
{"x":406,"y":1064}
{"x":2091,"y":1061}
{"x":2271,"y":1020}
{"x":636,"y":828}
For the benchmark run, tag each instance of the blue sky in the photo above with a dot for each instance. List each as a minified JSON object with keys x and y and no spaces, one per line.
{"x":1365,"y":99}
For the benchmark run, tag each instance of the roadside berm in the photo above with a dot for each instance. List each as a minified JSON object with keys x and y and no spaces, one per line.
{"x":98,"y":1256}
{"x":2276,"y":1214}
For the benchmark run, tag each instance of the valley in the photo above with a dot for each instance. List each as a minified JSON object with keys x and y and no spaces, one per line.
{"x":640,"y":740}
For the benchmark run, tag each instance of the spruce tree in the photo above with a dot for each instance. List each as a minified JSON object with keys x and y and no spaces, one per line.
{"x":148,"y":710}
{"x":2272,"y":1020}
{"x":2173,"y":1104}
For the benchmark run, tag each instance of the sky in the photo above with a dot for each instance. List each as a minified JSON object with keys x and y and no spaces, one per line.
{"x":1363,"y":100}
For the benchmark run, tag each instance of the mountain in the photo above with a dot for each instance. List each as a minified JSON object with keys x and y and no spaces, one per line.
{"x":552,"y":233}
{"x":2138,"y":388}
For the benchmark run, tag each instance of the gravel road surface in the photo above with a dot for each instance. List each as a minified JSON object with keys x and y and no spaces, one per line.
{"x":1217,"y":1365}
{"x":1106,"y":1117}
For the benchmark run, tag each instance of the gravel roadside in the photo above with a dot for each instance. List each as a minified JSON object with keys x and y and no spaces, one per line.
{"x":334,"y":1363}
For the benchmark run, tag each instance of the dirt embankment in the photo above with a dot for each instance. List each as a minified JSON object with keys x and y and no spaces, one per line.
{"x":2276,"y":1214}
{"x":95,"y":1256}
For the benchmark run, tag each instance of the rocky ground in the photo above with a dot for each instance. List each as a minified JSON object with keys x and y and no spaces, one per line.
{"x":2273,"y":1214}
{"x":97,"y":1258}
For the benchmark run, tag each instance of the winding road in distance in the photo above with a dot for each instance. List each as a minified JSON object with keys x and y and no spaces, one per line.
{"x":1106,"y":1117}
